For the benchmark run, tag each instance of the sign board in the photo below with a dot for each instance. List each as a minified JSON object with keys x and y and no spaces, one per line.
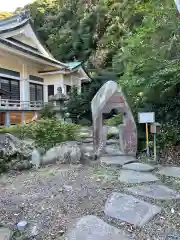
{"x":146,"y":117}
{"x":155,"y":127}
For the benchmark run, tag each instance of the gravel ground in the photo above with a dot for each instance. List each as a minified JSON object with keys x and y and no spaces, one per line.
{"x":52,"y":198}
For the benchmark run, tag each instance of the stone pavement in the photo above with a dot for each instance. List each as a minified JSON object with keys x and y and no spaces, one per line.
{"x":130,"y":209}
{"x":93,"y":228}
{"x":125,"y":205}
{"x":127,"y":208}
{"x":128,"y":176}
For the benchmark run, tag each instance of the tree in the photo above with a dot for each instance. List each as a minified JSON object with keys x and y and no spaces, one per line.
{"x":79,"y":105}
{"x":5,"y":15}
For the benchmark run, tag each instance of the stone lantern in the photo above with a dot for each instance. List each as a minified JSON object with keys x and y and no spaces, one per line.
{"x":59,"y":100}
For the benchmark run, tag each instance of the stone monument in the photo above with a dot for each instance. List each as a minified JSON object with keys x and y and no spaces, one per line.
{"x":110,"y":96}
{"x":58,"y":101}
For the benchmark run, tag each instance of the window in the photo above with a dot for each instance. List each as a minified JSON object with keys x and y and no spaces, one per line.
{"x":68,"y":89}
{"x":35,"y":78}
{"x":36,"y":92}
{"x":50,"y":90}
{"x":12,"y":87}
{"x":9,"y":72}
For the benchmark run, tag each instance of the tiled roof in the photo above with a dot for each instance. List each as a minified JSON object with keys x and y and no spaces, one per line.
{"x":13,"y":22}
{"x":73,"y":65}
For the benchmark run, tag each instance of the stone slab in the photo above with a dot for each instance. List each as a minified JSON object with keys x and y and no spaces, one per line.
{"x":113,"y":142}
{"x":170,"y":171}
{"x":93,"y":228}
{"x":155,"y":191}
{"x":113,"y":151}
{"x":117,"y":160}
{"x":129,"y":176}
{"x":88,"y":147}
{"x":142,"y":167}
{"x":5,"y":233}
{"x":88,"y":140}
{"x":130,"y":209}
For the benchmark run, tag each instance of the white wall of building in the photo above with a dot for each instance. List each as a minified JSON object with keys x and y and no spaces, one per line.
{"x":53,"y":79}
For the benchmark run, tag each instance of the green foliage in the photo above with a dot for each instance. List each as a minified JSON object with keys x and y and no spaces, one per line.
{"x":151,"y":73}
{"x":79,"y":104}
{"x":47,"y":111}
{"x":116,"y":120}
{"x":84,"y":122}
{"x":169,"y":135}
{"x":46,"y":132}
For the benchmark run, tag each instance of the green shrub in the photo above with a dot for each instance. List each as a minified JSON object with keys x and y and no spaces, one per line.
{"x":169,"y":135}
{"x":116,"y":120}
{"x":46,"y":132}
{"x":84,"y":122}
{"x":47,"y":111}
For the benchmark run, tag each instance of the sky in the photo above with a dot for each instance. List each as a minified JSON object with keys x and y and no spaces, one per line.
{"x":12,"y":5}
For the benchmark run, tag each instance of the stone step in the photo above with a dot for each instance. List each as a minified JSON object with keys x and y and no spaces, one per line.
{"x":117,"y":160}
{"x":133,"y":177}
{"x":155,"y":191}
{"x":113,"y":142}
{"x":113,"y":151}
{"x":130,"y":209}
{"x":170,"y":171}
{"x":85,"y":134}
{"x":92,"y":227}
{"x":88,"y":140}
{"x":141,"y":167}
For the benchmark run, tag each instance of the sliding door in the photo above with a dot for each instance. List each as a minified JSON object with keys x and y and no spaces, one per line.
{"x":12,"y":87}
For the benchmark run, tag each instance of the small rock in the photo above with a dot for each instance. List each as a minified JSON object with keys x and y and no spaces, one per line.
{"x":21,"y":225}
{"x":61,"y":232}
{"x":36,"y":158}
{"x":34,"y":231}
{"x":172,"y":210}
{"x":68,"y":188}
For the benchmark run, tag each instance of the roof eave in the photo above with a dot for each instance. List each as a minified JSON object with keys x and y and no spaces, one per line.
{"x":43,"y":59}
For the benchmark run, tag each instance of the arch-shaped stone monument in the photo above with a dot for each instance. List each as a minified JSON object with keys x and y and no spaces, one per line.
{"x":110,"y":96}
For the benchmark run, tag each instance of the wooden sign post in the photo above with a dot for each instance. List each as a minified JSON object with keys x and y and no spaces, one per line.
{"x":146,"y":117}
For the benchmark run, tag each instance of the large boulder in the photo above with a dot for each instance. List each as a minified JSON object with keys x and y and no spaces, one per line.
{"x":11,"y":146}
{"x":66,"y":152}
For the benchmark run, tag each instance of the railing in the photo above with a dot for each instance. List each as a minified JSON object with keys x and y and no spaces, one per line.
{"x":9,"y":104}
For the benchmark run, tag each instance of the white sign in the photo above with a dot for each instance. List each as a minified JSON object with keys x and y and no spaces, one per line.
{"x":146,"y":117}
